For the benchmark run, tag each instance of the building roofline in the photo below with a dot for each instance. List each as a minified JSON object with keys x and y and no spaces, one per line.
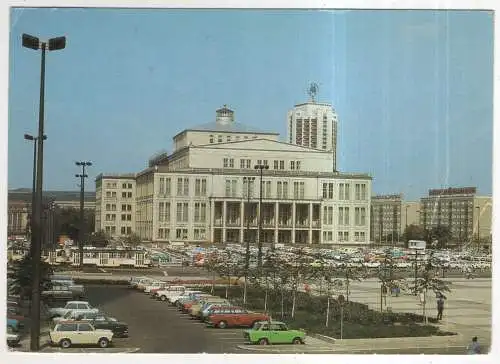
{"x":314,"y":103}
{"x":224,"y":132}
{"x":305,"y":149}
{"x":101,"y":176}
{"x":270,"y":172}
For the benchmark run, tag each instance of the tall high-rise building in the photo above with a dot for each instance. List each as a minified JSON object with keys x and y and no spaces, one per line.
{"x":314,"y":125}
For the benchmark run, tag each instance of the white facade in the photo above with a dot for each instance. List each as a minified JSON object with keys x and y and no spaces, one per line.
{"x":115,"y":204}
{"x":314,"y":125}
{"x":208,"y":191}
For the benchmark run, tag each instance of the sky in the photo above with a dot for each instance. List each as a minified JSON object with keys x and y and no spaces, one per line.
{"x":413,"y":90}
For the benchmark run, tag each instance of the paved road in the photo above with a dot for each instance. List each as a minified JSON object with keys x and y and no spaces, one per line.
{"x":155,"y":327}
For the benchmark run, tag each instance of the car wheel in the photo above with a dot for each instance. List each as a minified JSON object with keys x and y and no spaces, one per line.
{"x":65,"y":343}
{"x":222,"y":325}
{"x":297,"y":341}
{"x":263,"y":341}
{"x":103,"y":342}
{"x":163,"y":298}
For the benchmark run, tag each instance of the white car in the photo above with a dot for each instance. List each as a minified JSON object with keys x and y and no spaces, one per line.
{"x":83,"y":306}
{"x":164,"y":294}
{"x":154,"y":285}
{"x":12,"y":337}
{"x":66,"y":334}
{"x":177,"y":296}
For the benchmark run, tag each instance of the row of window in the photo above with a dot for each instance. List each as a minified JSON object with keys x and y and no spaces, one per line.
{"x":182,"y":212}
{"x":343,"y":216}
{"x":249,"y":189}
{"x":200,"y":186}
{"x":247,"y":164}
{"x":360,"y":191}
{"x":112,"y":194}
{"x":114,"y":185}
{"x":111,"y":230}
{"x":182,"y":234}
{"x":112,"y":217}
{"x":359,"y":236}
{"x":229,"y":138}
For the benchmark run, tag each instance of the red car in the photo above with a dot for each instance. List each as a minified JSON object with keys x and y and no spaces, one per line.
{"x":234,"y":317}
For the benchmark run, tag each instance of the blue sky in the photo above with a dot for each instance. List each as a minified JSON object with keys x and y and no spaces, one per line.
{"x":413,"y":89}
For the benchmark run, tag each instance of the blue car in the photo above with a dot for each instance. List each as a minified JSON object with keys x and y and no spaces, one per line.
{"x":14,"y":324}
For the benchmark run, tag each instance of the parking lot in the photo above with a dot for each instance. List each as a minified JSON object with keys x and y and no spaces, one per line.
{"x":156,"y":327}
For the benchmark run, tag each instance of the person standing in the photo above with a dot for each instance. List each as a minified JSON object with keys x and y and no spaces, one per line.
{"x":474,"y":347}
{"x":440,"y":307}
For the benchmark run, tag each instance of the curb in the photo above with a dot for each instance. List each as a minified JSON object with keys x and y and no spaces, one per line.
{"x":328,"y":339}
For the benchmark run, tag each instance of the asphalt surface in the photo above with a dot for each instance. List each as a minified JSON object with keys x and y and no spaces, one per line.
{"x":156,"y":327}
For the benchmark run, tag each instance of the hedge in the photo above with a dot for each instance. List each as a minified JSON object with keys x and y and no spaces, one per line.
{"x":310,"y":314}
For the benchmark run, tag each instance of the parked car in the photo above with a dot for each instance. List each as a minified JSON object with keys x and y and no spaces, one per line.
{"x":274,"y":332}
{"x":234,"y":317}
{"x":134,"y":281}
{"x":13,"y":337}
{"x":57,"y":291}
{"x":186,"y":305}
{"x":14,"y":324}
{"x":119,"y":329}
{"x":70,"y":306}
{"x":176,"y":297}
{"x":210,"y":308}
{"x":164,"y":294}
{"x":197,"y":308}
{"x":155,"y":285}
{"x":66,"y":334}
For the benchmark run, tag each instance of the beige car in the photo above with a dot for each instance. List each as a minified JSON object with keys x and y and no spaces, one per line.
{"x":67,"y":333}
{"x":196,"y":308}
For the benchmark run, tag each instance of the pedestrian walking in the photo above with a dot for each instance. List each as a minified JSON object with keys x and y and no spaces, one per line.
{"x":440,"y":307}
{"x":474,"y":347}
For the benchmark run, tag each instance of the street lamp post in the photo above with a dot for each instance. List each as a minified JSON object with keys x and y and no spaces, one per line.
{"x":478,"y":212}
{"x":53,"y":44}
{"x":247,"y":252}
{"x":81,"y":230}
{"x":33,"y":192}
{"x":261,"y":168}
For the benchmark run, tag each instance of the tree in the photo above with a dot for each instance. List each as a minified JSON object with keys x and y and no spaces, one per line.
{"x":349,"y":274}
{"x":99,"y":239}
{"x":389,"y":276}
{"x":21,"y":276}
{"x":133,"y":240}
{"x":414,"y":232}
{"x":441,"y":234}
{"x":428,"y":280}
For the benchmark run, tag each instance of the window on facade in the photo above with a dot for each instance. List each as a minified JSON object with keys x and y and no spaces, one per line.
{"x":123,"y":230}
{"x":265,"y":162}
{"x":276,"y":164}
{"x":266,"y":189}
{"x":113,"y":207}
{"x":199,"y":234}
{"x":200,"y":187}
{"x":124,"y":207}
{"x":129,"y":230}
{"x":231,"y":162}
{"x":129,"y":185}
{"x":249,"y":164}
{"x":124,"y":217}
{"x":328,"y":215}
{"x":327,"y":236}
{"x":292,"y":164}
{"x":200,"y":211}
{"x":328,"y":190}
{"x":225,"y":162}
{"x":344,"y":191}
{"x":181,"y":234}
{"x":108,"y":194}
{"x":182,"y":212}
{"x":124,"y":194}
{"x":297,"y":165}
{"x":129,"y":194}
{"x":219,"y":138}
{"x":248,"y":187}
{"x":282,"y":165}
{"x":211,"y":139}
{"x":343,"y":216}
{"x":108,"y":207}
{"x":231,"y":185}
{"x":282,"y":189}
{"x":343,"y":236}
{"x":298,"y":190}
{"x":242,"y":163}
{"x":124,"y":185}
{"x":228,"y":138}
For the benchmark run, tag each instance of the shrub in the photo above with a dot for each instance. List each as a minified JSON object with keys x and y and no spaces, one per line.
{"x":359,"y":320}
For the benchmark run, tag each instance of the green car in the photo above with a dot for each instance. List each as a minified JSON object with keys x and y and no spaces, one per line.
{"x":274,"y":332}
